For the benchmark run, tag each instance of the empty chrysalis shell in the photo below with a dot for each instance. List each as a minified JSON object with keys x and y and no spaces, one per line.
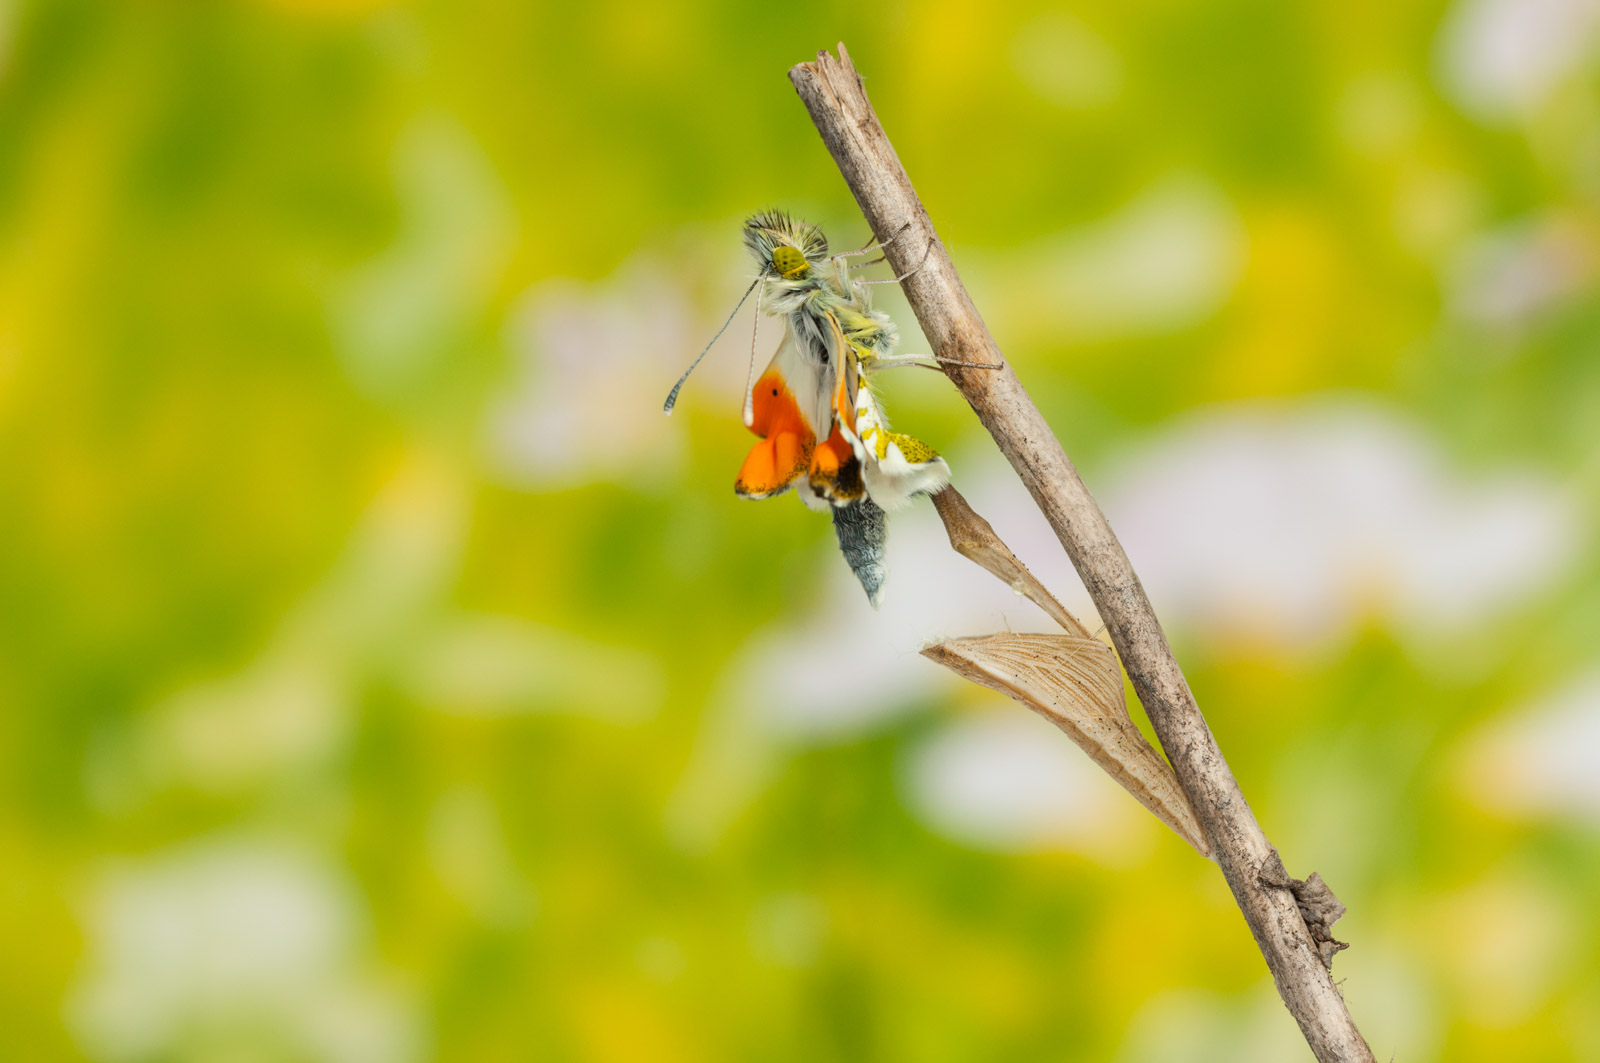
{"x":1075,"y":683}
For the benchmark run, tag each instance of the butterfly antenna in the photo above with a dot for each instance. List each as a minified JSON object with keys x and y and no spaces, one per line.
{"x":672,"y":396}
{"x":750,"y":383}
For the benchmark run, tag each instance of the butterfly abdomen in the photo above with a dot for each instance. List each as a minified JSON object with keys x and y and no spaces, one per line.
{"x":863,"y":532}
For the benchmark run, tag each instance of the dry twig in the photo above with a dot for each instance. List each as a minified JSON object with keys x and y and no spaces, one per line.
{"x":834,"y":95}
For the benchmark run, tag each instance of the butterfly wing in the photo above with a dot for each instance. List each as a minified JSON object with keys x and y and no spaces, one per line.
{"x":835,"y":472}
{"x":783,"y":408}
{"x":895,"y":467}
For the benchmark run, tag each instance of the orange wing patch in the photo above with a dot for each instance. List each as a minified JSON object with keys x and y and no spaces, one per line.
{"x":835,"y":472}
{"x":787,"y":441}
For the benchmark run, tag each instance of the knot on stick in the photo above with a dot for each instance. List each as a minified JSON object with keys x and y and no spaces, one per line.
{"x":1318,"y":907}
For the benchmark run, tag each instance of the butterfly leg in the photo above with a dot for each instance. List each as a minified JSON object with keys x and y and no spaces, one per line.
{"x":969,"y":365}
{"x":926,"y":248}
{"x":926,"y":361}
{"x":871,"y":245}
{"x":841,"y":270}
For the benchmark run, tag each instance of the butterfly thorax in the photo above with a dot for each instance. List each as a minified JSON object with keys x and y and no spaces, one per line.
{"x":869,"y":331}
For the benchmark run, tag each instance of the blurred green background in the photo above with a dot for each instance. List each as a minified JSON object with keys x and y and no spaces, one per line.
{"x":382,"y":678}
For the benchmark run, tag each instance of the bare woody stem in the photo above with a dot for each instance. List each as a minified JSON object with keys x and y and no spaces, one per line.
{"x":836,"y":98}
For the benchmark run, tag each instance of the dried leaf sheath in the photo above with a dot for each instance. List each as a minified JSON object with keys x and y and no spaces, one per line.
{"x":1076,"y":684}
{"x":974,"y":538}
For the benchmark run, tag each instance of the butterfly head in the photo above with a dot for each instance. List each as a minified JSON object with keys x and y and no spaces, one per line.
{"x":789,"y":262}
{"x":785,"y":247}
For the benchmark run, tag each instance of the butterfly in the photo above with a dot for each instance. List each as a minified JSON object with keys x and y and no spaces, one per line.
{"x":822,"y":429}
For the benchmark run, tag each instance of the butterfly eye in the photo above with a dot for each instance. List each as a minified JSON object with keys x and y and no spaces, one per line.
{"x":788,"y":261}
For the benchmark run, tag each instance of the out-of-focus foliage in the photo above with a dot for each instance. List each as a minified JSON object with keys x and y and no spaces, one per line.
{"x":382,"y":678}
